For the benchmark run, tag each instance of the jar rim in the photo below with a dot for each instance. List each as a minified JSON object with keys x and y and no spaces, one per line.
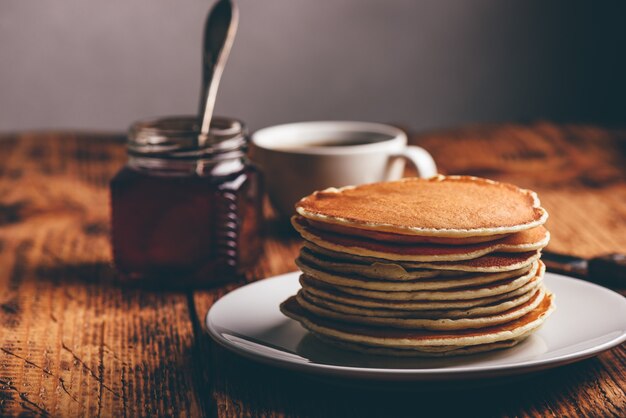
{"x":178,"y":137}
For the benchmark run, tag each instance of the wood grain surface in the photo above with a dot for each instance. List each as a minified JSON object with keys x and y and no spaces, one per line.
{"x":75,"y":343}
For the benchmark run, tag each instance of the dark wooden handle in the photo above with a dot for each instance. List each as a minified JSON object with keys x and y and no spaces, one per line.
{"x":609,"y":269}
{"x":565,"y":264}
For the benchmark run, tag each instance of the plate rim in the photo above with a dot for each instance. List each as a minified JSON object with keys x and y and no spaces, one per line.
{"x":376,"y":373}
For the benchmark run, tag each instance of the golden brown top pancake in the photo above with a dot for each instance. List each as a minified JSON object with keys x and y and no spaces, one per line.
{"x":441,"y":206}
{"x":400,"y":238}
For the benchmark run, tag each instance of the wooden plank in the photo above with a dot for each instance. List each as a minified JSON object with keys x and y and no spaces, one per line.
{"x":580,"y":175}
{"x":72,"y":342}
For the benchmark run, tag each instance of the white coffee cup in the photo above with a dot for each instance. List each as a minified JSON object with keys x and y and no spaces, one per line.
{"x":299,"y":158}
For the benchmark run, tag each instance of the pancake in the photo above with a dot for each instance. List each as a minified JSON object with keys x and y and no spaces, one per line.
{"x":442,"y":323}
{"x":441,"y":206}
{"x":490,"y":263}
{"x":399,"y":238}
{"x":437,"y":351}
{"x":375,"y":270}
{"x":446,"y":282}
{"x":330,"y":293}
{"x":421,"y":267}
{"x":377,"y":267}
{"x":400,"y":338}
{"x":524,"y":241}
{"x":490,"y":309}
{"x":458,"y":293}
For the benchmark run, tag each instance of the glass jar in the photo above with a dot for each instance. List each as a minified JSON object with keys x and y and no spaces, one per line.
{"x":186,"y":214}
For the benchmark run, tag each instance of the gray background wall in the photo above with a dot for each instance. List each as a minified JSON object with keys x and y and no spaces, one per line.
{"x":427,"y":64}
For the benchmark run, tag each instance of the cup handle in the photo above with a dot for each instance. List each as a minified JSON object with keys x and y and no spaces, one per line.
{"x":420,"y":159}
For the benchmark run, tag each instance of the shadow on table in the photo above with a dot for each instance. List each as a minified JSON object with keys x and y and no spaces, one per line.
{"x":279,"y":228}
{"x":81,"y":273}
{"x":255,"y":388}
{"x":105,"y":276}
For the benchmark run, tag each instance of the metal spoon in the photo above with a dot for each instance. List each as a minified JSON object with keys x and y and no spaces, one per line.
{"x":219,"y":34}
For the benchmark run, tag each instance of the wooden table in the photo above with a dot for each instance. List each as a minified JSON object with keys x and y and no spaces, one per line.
{"x":74,"y":343}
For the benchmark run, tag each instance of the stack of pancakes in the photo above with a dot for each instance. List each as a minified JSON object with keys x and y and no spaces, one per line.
{"x":431,"y":267}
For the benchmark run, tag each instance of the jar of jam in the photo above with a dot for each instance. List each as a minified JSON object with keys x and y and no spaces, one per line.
{"x":185,"y":214}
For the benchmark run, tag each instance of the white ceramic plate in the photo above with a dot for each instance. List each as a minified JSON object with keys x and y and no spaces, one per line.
{"x":588,"y":320}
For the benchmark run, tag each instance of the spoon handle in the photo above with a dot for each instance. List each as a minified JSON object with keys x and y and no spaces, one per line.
{"x":219,"y":34}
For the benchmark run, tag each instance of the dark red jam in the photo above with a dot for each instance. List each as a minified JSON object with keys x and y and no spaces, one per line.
{"x":186,"y":221}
